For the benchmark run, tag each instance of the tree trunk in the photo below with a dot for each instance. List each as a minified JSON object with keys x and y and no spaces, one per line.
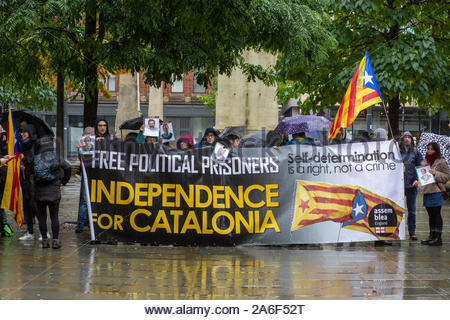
{"x":91,"y":96}
{"x":91,"y":74}
{"x":393,"y":114}
{"x":60,"y":114}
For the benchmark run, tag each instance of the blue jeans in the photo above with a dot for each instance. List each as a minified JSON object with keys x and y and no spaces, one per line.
{"x":411,"y":195}
{"x":82,"y":209}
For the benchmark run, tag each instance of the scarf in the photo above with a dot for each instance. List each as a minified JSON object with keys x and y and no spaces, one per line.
{"x":140,"y":137}
{"x":431,"y":158}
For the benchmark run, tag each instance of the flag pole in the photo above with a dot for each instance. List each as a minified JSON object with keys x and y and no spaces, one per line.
{"x":389,"y":125}
{"x":387,"y":118}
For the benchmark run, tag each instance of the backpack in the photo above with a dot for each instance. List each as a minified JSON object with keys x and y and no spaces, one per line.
{"x":46,"y":167}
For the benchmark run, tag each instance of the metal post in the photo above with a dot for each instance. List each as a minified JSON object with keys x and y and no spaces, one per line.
{"x":403,"y":118}
{"x":369,"y":119}
{"x":420,"y":121}
{"x":88,"y":200}
{"x":66,"y":132}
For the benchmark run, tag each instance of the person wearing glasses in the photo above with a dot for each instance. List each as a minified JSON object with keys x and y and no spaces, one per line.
{"x":102,"y":130}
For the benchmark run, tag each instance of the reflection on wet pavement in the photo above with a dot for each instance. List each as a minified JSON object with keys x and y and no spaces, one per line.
{"x":406,"y":270}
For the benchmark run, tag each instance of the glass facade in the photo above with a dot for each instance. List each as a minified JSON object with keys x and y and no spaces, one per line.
{"x":192,"y":126}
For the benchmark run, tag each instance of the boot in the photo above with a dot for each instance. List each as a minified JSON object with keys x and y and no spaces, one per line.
{"x":412,"y":236}
{"x":56,"y":244}
{"x":436,"y":241}
{"x":45,"y":243}
{"x":427,"y":240}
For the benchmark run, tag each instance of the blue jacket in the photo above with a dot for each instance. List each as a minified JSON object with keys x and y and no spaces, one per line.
{"x":411,"y":159}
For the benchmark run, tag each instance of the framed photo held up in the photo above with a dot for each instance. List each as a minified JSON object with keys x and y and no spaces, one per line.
{"x":87,"y":144}
{"x":151,"y":127}
{"x":166,"y":130}
{"x":424,"y":175}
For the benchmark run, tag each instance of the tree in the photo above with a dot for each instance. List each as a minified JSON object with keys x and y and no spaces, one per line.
{"x":163,"y":39}
{"x":407,"y":42}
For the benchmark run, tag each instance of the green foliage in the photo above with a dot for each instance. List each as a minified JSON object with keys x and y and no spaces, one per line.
{"x":408,"y":45}
{"x":39,"y":96}
{"x":161,"y":39}
{"x":209,"y":100}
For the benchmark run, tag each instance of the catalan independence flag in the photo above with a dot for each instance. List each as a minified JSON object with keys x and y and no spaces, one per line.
{"x":350,"y":205}
{"x":12,"y":195}
{"x":361,"y":94}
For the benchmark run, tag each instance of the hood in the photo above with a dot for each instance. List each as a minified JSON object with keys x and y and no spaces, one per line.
{"x":31,"y":131}
{"x":407,"y":134}
{"x":101,"y":118}
{"x":187,"y":138}
{"x":380,"y":134}
{"x":208,"y":130}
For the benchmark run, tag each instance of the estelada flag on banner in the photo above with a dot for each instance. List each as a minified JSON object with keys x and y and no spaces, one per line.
{"x":12,"y":195}
{"x":350,"y":205}
{"x":362,"y":93}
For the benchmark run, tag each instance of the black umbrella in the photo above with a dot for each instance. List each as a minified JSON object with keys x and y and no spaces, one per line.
{"x":42,"y":127}
{"x":441,"y":140}
{"x":131,"y":124}
{"x":238,"y":131}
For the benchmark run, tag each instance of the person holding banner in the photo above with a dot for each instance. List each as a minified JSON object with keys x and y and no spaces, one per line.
{"x":209,"y":138}
{"x":433,"y":192}
{"x":341,"y":137}
{"x":102,"y":131}
{"x":185,"y":142}
{"x":82,"y":207}
{"x":411,"y":159}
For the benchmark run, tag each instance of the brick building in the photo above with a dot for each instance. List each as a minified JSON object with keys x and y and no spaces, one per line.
{"x":180,"y":104}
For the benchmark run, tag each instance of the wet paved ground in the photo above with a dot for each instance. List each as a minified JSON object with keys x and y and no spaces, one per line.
{"x":406,"y":270}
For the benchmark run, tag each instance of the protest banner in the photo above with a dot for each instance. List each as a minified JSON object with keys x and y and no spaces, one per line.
{"x":257,"y":196}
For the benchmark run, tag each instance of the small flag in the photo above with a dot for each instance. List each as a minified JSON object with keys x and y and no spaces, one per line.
{"x":380,"y":229}
{"x":361,"y":94}
{"x":355,"y":207}
{"x":12,"y":195}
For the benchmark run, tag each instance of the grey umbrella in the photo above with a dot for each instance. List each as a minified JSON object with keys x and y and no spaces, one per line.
{"x":254,"y":139}
{"x":238,"y":131}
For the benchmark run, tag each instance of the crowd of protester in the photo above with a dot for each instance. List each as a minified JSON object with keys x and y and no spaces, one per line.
{"x":42,"y":172}
{"x":40,"y":194}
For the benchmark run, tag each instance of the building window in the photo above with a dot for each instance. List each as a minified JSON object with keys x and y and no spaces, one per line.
{"x":177,"y":85}
{"x":112,"y":83}
{"x":198,"y":88}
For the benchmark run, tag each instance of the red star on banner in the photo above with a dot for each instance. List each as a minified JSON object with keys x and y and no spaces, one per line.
{"x":304,"y":205}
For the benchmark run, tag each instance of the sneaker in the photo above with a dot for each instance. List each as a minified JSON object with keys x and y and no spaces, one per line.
{"x":412,"y":236}
{"x":40,"y":236}
{"x":27,"y":236}
{"x":56,"y":244}
{"x":45,"y":244}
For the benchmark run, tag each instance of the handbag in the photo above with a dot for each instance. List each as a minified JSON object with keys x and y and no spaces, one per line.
{"x":444,"y":192}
